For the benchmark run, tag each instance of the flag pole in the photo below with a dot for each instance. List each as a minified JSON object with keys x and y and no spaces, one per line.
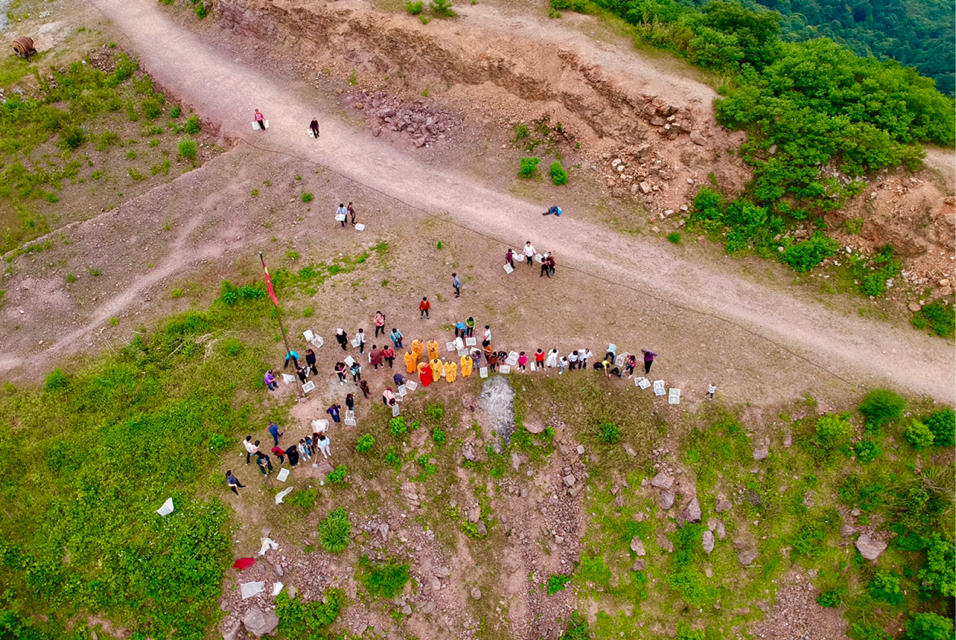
{"x":275,"y":301}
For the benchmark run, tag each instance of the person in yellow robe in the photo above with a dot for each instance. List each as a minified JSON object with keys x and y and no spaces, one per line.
{"x":451,"y":372}
{"x":432,"y":349}
{"x":466,"y":365}
{"x":417,"y":348}
{"x":410,"y":362}
{"x":437,"y":367}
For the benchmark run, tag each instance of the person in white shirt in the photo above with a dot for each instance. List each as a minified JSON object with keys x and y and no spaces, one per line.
{"x":324,"y":445}
{"x":711,"y":390}
{"x":529,"y":253}
{"x":572,"y":361}
{"x":584,"y":356}
{"x":250,"y":448}
{"x":341,"y":214}
{"x":486,"y":339}
{"x":304,"y":450}
{"x":552,"y":360}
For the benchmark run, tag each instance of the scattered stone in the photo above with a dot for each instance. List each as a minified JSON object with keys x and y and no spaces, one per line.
{"x":580,"y":449}
{"x":230,"y":629}
{"x":664,"y":543}
{"x":407,"y":610}
{"x":761,"y":453}
{"x":696,"y":138}
{"x":847,"y":530}
{"x":692,"y":513}
{"x":637,"y":546}
{"x":747,"y":556}
{"x":324,"y":468}
{"x":442,"y":572}
{"x":662,"y":481}
{"x":429,"y":608}
{"x":476,"y":593}
{"x":468,"y":452}
{"x":870,"y":548}
{"x":639,"y":564}
{"x":723,"y":504}
{"x":259,"y":623}
{"x":569,"y":480}
{"x":515,"y":461}
{"x":482,"y":528}
{"x":250,"y":589}
{"x":630,"y":450}
{"x":667,"y":500}
{"x":474,"y":514}
{"x":708,"y":542}
{"x":709,"y":572}
{"x":914,"y":307}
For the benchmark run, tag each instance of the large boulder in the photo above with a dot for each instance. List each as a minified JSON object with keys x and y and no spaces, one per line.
{"x":259,"y":623}
{"x":870,"y":547}
{"x":662,"y":481}
{"x":708,"y":542}
{"x":692,"y":513}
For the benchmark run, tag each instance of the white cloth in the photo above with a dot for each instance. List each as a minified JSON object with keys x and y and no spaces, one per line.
{"x":552,"y":359}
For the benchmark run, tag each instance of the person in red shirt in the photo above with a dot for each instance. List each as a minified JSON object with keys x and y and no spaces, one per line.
{"x":423,"y":308}
{"x":260,"y":120}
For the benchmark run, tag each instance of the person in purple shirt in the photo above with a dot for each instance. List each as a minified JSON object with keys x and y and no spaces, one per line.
{"x":334,"y":412}
{"x":648,"y":360}
{"x":270,"y":381}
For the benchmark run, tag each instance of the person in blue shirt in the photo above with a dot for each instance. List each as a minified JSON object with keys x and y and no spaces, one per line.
{"x":274,"y":432}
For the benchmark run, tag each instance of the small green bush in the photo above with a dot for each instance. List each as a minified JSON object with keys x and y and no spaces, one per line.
{"x":56,"y":380}
{"x":442,"y":9}
{"x":152,"y":109}
{"x":303,"y":499}
{"x":435,"y":411}
{"x":393,"y":458}
{"x":831,"y":430}
{"x":187,"y":149}
{"x":885,"y":587}
{"x":867,"y":451}
{"x":365,"y":443}
{"x":438,"y":436}
{"x":868,"y":631}
{"x":384,"y":579}
{"x":107,"y":138}
{"x":72,"y":138}
{"x":938,"y":317}
{"x":942,"y":423}
{"x":609,"y":433}
{"x":674,"y":236}
{"x":415,"y":8}
{"x":918,"y":435}
{"x":557,"y":583}
{"x":232,"y":347}
{"x":308,"y":312}
{"x":881,"y":407}
{"x":338,"y":476}
{"x":335,"y":530}
{"x":929,"y":626}
{"x":298,"y":619}
{"x":175,"y":113}
{"x":558,"y":174}
{"x":192,"y":125}
{"x":307,"y":197}
{"x":804,"y":256}
{"x":831,"y":598}
{"x":938,"y":574}
{"x":201,"y":10}
{"x":528,"y":167}
{"x":397,"y":426}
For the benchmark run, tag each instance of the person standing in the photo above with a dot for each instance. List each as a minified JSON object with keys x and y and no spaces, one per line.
{"x":360,"y":336}
{"x":522,"y":362}
{"x":572,"y":360}
{"x":432,"y":350}
{"x":629,"y":364}
{"x":334,"y":412}
{"x":356,"y":370}
{"x":544,"y":265}
{"x":270,"y":381}
{"x":552,"y":360}
{"x":389,"y":354}
{"x":423,"y":308}
{"x":274,"y":432}
{"x":469,"y":327}
{"x":486,"y":338}
{"x":510,"y":258}
{"x":340,"y":369}
{"x":379,"y":323}
{"x":314,"y":126}
{"x":342,"y":338}
{"x":341,"y":214}
{"x":250,"y":448}
{"x":233,"y":483}
{"x":375,"y":356}
{"x":396,"y":337}
{"x":648,"y":360}
{"x":711,"y":390}
{"x":456,"y":284}
{"x":293,"y":453}
{"x":562,"y":365}
{"x":585,"y":356}
{"x":351,"y":211}
{"x":550,"y":261}
{"x":310,"y":360}
{"x":265,"y":465}
{"x":365,"y":390}
{"x":260,"y":120}
{"x":350,"y":402}
{"x":324,"y":445}
{"x":529,"y":253}
{"x":493,"y":362}
{"x":303,"y":374}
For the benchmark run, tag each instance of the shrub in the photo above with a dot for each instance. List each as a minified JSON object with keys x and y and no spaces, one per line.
{"x":201,"y":10}
{"x":365,"y":443}
{"x":415,"y":8}
{"x":885,"y":587}
{"x":674,"y":236}
{"x":192,"y":125}
{"x":187,"y":149}
{"x":393,"y":458}
{"x":609,"y":433}
{"x":217,"y":443}
{"x":152,"y":109}
{"x":943,"y":425}
{"x":831,"y":598}
{"x":72,"y":138}
{"x":397,"y":426}
{"x":578,"y":625}
{"x":232,"y":347}
{"x":308,"y":312}
{"x":383,"y":580}
{"x":593,"y":569}
{"x":881,"y":407}
{"x":442,"y":9}
{"x":867,"y":451}
{"x":831,"y":430}
{"x":867,"y":631}
{"x":303,"y":499}
{"x":335,"y":530}
{"x":528,"y":167}
{"x":438,"y":436}
{"x":918,"y":435}
{"x":939,"y":317}
{"x":804,"y":256}
{"x":299,"y":619}
{"x":175,"y":113}
{"x":338,"y":476}
{"x":938,"y":574}
{"x":435,"y":411}
{"x":557,"y":583}
{"x":306,"y":197}
{"x":929,"y":626}
{"x":56,"y":380}
{"x":107,"y":138}
{"x":558,"y":174}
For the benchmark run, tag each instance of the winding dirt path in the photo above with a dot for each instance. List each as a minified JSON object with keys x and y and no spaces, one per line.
{"x":857,"y":351}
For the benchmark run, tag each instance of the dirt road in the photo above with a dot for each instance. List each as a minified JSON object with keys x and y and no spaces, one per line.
{"x":859,"y":351}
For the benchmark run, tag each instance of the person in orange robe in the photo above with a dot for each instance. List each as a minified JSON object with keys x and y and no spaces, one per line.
{"x":425,"y":374}
{"x":437,"y":367}
{"x":466,"y":365}
{"x":417,"y":348}
{"x":432,"y":349}
{"x":410,"y":362}
{"x":451,"y":372}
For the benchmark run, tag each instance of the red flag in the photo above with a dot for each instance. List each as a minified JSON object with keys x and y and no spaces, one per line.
{"x":272,"y":293}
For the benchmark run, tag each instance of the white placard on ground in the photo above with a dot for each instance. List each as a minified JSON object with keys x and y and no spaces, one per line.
{"x":513,"y":354}
{"x":355,"y":342}
{"x":459,"y":344}
{"x":360,"y":227}
{"x":402,"y":390}
{"x":519,"y":257}
{"x":471,"y":342}
{"x":508,"y":269}
{"x":462,"y":353}
{"x":350,"y":420}
{"x":349,"y":361}
{"x":311,"y":132}
{"x":673,"y":397}
{"x":538,"y":258}
{"x":320,"y":426}
{"x":411,"y":385}
{"x":166,"y":509}
{"x":317,"y":341}
{"x":308,"y":335}
{"x":276,"y":588}
{"x":250,"y":589}
{"x":511,"y":361}
{"x":283,"y":475}
{"x":531,"y":365}
{"x":308,"y":386}
{"x":643,"y":383}
{"x":396,"y":410}
{"x":450,"y":346}
{"x":659,"y":388}
{"x":286,"y":378}
{"x":619,"y":361}
{"x":504,"y":369}
{"x":483,"y":372}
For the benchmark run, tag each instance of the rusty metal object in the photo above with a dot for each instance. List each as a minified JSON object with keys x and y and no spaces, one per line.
{"x":24,"y":47}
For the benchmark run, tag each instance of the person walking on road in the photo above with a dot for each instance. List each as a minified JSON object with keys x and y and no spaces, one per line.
{"x":544,"y":265}
{"x":356,"y":370}
{"x":510,"y":258}
{"x":314,"y":126}
{"x":423,"y":308}
{"x":375,"y":356}
{"x":341,"y":214}
{"x":360,"y":336}
{"x":260,"y":120}
{"x":456,"y":284}
{"x":379,"y":323}
{"x":340,"y":370}
{"x":711,"y":390}
{"x":351,"y":211}
{"x":389,"y":354}
{"x":365,"y":390}
{"x":648,"y":360}
{"x":350,"y":402}
{"x":279,"y":453}
{"x":529,"y":253}
{"x":233,"y":482}
{"x":334,"y":412}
